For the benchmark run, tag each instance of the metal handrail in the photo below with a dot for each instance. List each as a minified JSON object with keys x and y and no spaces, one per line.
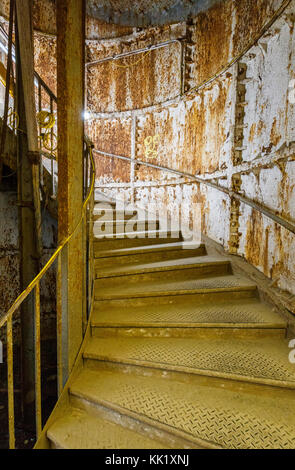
{"x":288,"y":225}
{"x":7,"y":318}
{"x":34,"y":286}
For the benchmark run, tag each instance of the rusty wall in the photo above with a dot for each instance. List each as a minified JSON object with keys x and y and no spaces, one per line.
{"x":202,"y":130}
{"x":10,"y":263}
{"x":9,"y":255}
{"x":186,"y":95}
{"x":43,"y":14}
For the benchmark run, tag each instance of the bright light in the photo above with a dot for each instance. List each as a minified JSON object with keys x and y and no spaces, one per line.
{"x":87,"y":116}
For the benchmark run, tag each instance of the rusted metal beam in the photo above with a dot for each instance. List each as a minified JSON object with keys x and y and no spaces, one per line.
{"x":7,"y":84}
{"x":29,"y":239}
{"x":70,"y":93}
{"x":26,"y":51}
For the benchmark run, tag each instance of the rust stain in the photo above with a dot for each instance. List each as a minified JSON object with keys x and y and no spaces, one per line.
{"x":286,"y":188}
{"x":266,"y":252}
{"x":45,"y":59}
{"x":108,"y":81}
{"x":252,"y":132}
{"x":274,"y":136}
{"x":260,"y":127}
{"x":111,"y":136}
{"x":96,"y":29}
{"x":212,"y":39}
{"x":251,"y":15}
{"x":254,"y":239}
{"x":195,"y":137}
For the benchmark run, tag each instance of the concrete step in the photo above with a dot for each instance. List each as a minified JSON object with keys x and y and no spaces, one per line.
{"x":262,"y":362}
{"x":210,"y":413}
{"x":214,"y":315}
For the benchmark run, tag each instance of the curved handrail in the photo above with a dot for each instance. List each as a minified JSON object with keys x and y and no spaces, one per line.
{"x":288,"y":225}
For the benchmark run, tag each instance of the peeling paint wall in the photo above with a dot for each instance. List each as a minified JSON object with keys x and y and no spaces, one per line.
{"x":199,"y":131}
{"x":201,"y":109}
{"x":10,"y":264}
{"x":9,"y":255}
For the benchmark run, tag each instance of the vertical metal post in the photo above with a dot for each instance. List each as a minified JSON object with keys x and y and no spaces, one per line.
{"x":59,"y":327}
{"x":29,"y":254}
{"x":52,"y":146}
{"x":26,"y":56}
{"x":133,"y":156}
{"x":70,"y":94}
{"x":38,"y":407}
{"x":10,"y":382}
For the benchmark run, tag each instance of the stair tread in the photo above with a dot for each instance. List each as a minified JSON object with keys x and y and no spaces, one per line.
{"x":162,"y":265}
{"x":77,"y":429}
{"x":142,"y":249}
{"x":263,"y":361}
{"x":247,"y":312}
{"x":218,"y":415}
{"x":162,"y":287}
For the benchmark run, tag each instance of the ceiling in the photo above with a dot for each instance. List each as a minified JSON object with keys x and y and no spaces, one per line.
{"x":142,"y":13}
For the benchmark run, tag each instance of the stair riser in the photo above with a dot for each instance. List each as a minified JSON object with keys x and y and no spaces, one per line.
{"x":186,"y":274}
{"x":118,"y":243}
{"x":141,"y":294}
{"x":173,"y":438}
{"x":207,"y":298}
{"x":243,"y":332}
{"x":185,"y":374}
{"x":146,"y":257}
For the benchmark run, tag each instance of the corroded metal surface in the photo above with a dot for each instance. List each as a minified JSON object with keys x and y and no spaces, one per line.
{"x":43,"y":14}
{"x":45,"y":59}
{"x":197,"y":133}
{"x":143,"y":13}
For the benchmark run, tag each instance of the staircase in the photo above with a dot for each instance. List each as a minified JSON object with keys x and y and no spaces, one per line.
{"x":180,"y":352}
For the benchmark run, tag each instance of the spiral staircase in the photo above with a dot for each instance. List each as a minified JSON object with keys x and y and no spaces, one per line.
{"x":182,"y":349}
{"x":181,"y":352}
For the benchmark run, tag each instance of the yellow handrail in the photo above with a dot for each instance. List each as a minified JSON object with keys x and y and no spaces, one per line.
{"x":16,"y":304}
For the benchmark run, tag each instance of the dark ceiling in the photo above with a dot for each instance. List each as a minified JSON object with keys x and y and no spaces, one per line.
{"x":141,"y":13}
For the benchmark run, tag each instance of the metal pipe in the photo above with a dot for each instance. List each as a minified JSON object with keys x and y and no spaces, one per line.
{"x":38,"y":396}
{"x":135,"y":52}
{"x":10,"y":381}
